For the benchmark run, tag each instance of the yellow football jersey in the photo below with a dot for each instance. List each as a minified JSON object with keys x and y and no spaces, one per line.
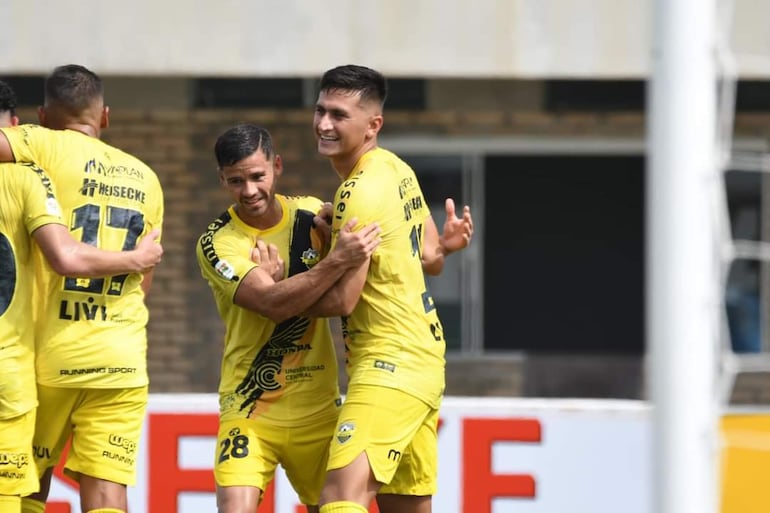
{"x":92,"y":332}
{"x":393,"y":337}
{"x":27,"y":202}
{"x":287,"y":372}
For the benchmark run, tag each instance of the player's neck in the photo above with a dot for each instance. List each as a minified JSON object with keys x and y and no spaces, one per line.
{"x":83,"y":128}
{"x":345,"y":164}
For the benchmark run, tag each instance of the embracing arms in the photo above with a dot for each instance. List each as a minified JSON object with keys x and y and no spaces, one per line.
{"x":279,"y":300}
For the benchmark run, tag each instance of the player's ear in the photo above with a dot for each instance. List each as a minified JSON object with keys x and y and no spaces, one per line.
{"x":105,"y":121}
{"x":14,"y":120}
{"x":375,"y":124}
{"x":277,"y":165}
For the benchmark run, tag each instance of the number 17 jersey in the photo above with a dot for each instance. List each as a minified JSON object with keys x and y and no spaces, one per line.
{"x":91,"y":332}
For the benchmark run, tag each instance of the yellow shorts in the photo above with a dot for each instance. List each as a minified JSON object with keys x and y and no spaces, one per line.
{"x":397,"y":431}
{"x":105,"y":425}
{"x":248,"y":451}
{"x":18,"y":475}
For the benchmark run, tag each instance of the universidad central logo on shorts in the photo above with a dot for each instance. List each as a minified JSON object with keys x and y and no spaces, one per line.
{"x":345,"y":432}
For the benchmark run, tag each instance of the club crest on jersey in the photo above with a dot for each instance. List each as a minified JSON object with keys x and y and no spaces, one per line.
{"x":224,"y":269}
{"x":310,"y":257}
{"x":345,"y":432}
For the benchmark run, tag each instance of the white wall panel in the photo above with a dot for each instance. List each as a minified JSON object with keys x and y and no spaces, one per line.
{"x":430,"y":38}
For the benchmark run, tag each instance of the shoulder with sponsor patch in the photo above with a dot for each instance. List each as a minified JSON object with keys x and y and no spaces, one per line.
{"x":52,"y":205}
{"x":207,"y":251}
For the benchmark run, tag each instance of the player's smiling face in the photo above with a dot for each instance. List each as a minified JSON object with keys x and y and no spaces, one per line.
{"x":345,"y":127}
{"x":251,"y":183}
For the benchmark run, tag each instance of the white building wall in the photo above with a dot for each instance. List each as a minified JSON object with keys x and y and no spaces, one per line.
{"x":429,"y":38}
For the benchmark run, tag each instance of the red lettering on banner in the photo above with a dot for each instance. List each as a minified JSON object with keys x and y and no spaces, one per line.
{"x":164,"y":433}
{"x":268,"y":499}
{"x":166,"y":480}
{"x":53,"y":506}
{"x":480,"y":485}
{"x":58,"y":507}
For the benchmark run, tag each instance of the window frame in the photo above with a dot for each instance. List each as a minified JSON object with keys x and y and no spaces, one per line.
{"x":473,"y":150}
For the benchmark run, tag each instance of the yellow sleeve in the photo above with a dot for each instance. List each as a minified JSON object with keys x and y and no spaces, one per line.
{"x":40,"y":204}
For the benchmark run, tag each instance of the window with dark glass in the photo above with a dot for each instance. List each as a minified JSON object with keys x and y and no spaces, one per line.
{"x":563,"y":255}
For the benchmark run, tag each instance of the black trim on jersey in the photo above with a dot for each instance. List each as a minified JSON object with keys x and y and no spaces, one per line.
{"x":207,"y":243}
{"x":300,"y":241}
{"x":266,"y":366}
{"x":7,"y":273}
{"x":43,"y":176}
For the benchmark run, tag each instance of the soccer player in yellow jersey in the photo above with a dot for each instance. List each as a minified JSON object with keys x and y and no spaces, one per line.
{"x":386,"y":437}
{"x":278,"y":390}
{"x":91,"y":334}
{"x":29,"y":210}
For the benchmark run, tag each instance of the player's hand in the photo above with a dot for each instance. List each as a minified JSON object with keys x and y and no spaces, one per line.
{"x":354,"y":247}
{"x":457,"y":230}
{"x":322,"y":223}
{"x":149,"y":251}
{"x":266,"y":256}
{"x":324,"y":214}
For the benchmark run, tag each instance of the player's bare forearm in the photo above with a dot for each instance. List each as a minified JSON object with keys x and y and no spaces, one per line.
{"x":283,"y":299}
{"x":279,"y":300}
{"x":73,"y":258}
{"x":147,"y":282}
{"x":432,"y":255}
{"x":341,"y":298}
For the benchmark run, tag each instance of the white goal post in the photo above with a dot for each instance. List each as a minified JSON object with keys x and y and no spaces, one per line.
{"x":684,"y":256}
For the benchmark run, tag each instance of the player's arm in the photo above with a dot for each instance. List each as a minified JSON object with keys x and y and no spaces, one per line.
{"x":456,"y":236}
{"x":343,"y":296}
{"x":147,"y":281}
{"x":69,"y":257}
{"x":280,"y":300}
{"x":322,"y":224}
{"x":154,"y":220}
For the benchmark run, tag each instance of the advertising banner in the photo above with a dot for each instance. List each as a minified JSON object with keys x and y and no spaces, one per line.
{"x":497,"y":455}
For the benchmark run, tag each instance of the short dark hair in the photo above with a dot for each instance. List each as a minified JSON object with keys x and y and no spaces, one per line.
{"x":241,"y":141}
{"x":8,"y":101}
{"x":73,"y":87}
{"x":351,"y":77}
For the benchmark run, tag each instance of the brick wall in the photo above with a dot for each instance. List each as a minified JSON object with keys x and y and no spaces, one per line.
{"x":185,"y":332}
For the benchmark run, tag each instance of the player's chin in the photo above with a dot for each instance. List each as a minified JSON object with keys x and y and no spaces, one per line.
{"x":253,"y":210}
{"x":327,"y":148}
